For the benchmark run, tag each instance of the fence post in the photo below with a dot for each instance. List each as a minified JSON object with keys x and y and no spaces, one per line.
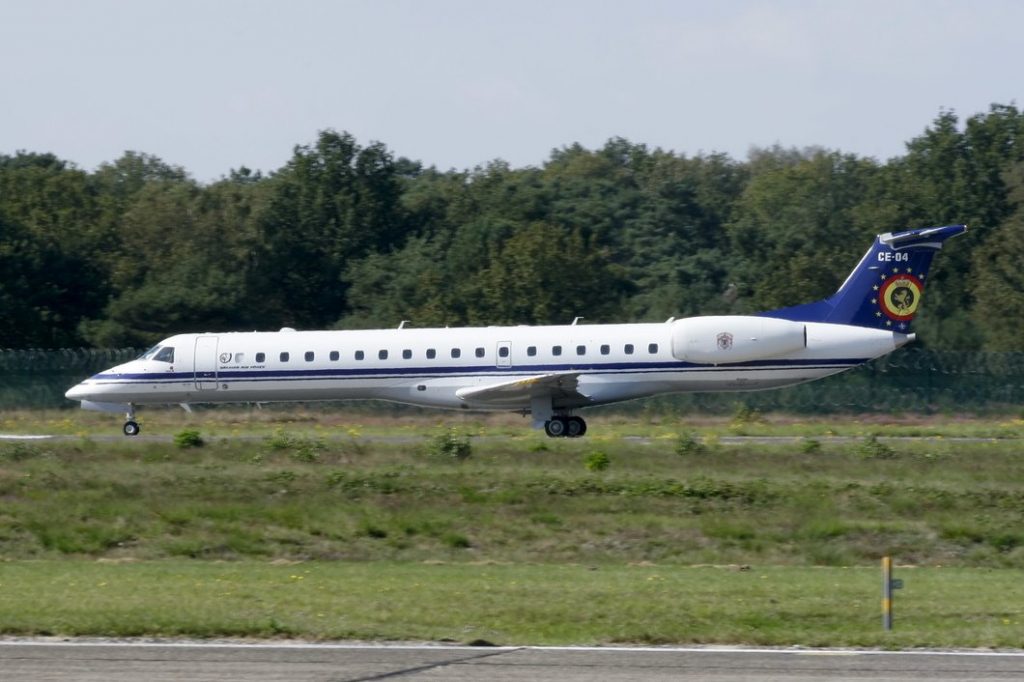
{"x":887,"y":593}
{"x":889,"y":584}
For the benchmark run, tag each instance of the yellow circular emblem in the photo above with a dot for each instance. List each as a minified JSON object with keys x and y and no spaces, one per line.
{"x":900,"y":296}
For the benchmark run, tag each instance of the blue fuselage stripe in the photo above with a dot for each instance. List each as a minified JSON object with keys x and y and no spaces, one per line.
{"x":422,"y":372}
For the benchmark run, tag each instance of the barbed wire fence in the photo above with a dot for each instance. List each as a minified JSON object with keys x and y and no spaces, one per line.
{"x":910,"y":380}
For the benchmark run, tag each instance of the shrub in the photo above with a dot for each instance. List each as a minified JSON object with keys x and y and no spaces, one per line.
{"x":302,"y":449}
{"x":810,"y":446}
{"x":688,"y":444}
{"x":456,"y":541}
{"x":872,"y":448}
{"x":371,"y":530}
{"x":308,"y":451}
{"x":745,"y":414}
{"x":280,"y":440}
{"x":19,"y":452}
{"x":450,"y":445}
{"x":188,"y":438}
{"x":597,"y":460}
{"x":283,"y":476}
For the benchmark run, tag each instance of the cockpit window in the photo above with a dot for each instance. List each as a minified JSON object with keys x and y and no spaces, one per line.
{"x":148,"y":355}
{"x":166,"y":354}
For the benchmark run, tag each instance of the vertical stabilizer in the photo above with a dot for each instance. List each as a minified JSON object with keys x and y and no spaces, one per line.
{"x":885,"y":289}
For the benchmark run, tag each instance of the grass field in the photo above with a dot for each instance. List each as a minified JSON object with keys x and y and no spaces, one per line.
{"x":317,"y":527}
{"x":511,"y":604}
{"x":334,"y":422}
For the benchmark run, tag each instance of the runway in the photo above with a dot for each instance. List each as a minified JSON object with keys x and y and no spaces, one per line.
{"x":88,"y":661}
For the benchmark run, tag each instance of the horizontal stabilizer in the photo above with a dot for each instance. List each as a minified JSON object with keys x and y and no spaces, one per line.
{"x":556,"y":385}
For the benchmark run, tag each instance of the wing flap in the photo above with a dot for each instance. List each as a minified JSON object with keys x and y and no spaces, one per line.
{"x":557,"y":385}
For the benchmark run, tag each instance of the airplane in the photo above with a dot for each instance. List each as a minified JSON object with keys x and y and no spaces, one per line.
{"x":548,"y":372}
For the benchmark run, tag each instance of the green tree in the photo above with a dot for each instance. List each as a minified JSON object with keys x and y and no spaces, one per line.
{"x":332,"y":204}
{"x":997,"y":284}
{"x":796,"y":231}
{"x":676,"y":248}
{"x":545,"y":275}
{"x":51,"y":243}
{"x":402,"y":285}
{"x":184,"y":263}
{"x":35,"y":275}
{"x":954,"y":174}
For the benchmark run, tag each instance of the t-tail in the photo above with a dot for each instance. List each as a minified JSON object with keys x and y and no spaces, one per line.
{"x":884,"y":290}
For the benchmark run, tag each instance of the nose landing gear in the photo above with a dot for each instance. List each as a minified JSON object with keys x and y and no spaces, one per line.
{"x":131,"y":427}
{"x":565,"y":427}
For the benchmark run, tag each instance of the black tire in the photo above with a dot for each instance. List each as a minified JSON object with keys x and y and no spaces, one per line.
{"x":131,"y":428}
{"x":556,"y":427}
{"x":575,"y":427}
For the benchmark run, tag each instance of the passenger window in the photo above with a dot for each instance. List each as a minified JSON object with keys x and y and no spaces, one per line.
{"x":261,"y":357}
{"x":406,"y":354}
{"x":431,"y":354}
{"x":335,"y":356}
{"x":652,"y":348}
{"x":503,"y":352}
{"x":628,"y":348}
{"x":166,"y":354}
{"x":382,"y":355}
{"x":309,"y":356}
{"x":239,"y":357}
{"x":479,"y":352}
{"x":456,"y":352}
{"x":360,"y":355}
{"x":531,"y":351}
{"x":605,"y":349}
{"x":581,"y":350}
{"x":556,"y":350}
{"x":284,"y":357}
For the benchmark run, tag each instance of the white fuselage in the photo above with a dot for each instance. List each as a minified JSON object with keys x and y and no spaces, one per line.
{"x":430,"y":367}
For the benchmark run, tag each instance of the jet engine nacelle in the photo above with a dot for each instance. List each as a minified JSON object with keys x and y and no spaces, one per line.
{"x":722,"y":339}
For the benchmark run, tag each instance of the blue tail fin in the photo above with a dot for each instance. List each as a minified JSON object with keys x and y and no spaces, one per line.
{"x":884,"y":290}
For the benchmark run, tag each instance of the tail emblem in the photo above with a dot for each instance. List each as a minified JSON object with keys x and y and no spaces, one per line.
{"x":898,"y":297}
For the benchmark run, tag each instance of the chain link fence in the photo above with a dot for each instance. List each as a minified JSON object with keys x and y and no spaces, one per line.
{"x":907,"y":381}
{"x":910,"y":380}
{"x":35,"y":378}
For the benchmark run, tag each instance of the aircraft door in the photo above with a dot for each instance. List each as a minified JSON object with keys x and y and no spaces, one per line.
{"x":206,"y":363}
{"x":503,"y":356}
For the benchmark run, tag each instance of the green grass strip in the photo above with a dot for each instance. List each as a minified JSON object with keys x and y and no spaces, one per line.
{"x":512,"y":604}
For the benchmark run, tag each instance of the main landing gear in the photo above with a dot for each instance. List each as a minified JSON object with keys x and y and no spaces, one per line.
{"x":131,"y":427}
{"x":565,"y":427}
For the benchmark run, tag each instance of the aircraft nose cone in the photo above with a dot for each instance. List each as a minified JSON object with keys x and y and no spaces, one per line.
{"x":77,"y":392}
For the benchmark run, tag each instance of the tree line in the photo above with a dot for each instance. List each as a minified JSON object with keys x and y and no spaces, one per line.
{"x":347,"y":235}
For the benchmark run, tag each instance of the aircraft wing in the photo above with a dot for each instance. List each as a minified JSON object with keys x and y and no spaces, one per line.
{"x":558,"y":385}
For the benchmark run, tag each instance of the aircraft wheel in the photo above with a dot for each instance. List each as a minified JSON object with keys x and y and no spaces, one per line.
{"x":131,"y":428}
{"x":556,"y":427}
{"x":575,"y":427}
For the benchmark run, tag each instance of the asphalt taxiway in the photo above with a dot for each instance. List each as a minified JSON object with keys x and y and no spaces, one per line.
{"x":92,"y":661}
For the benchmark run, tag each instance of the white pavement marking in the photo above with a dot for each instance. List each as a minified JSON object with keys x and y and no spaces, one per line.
{"x":722,"y":649}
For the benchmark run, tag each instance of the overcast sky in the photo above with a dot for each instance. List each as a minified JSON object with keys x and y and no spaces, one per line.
{"x":212,"y":85}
